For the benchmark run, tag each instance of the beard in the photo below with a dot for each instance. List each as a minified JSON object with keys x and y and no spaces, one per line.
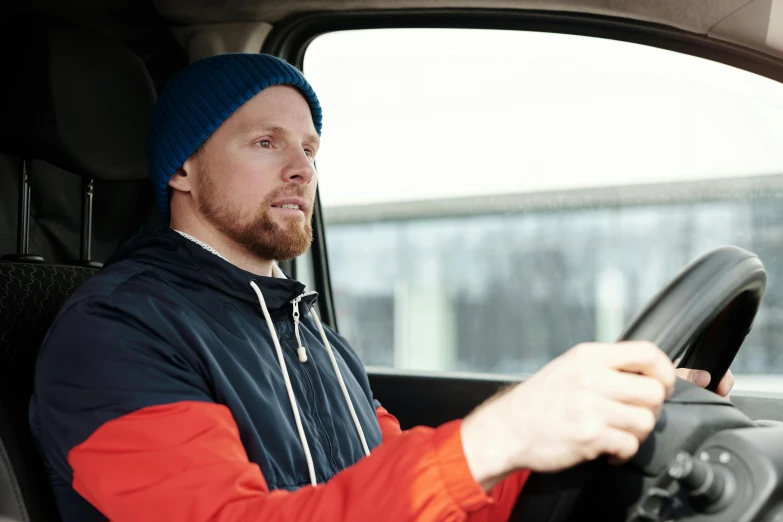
{"x":260,"y":234}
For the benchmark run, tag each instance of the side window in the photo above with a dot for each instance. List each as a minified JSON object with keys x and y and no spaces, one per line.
{"x":492,"y":198}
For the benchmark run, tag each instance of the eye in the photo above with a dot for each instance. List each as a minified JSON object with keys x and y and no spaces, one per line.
{"x":265,"y":144}
{"x":309,"y":153}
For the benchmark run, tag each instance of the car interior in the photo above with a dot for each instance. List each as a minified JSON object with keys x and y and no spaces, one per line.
{"x":80,"y":79}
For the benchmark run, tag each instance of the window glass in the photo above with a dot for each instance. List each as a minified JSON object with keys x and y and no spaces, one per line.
{"x":492,"y":198}
{"x":305,"y":272}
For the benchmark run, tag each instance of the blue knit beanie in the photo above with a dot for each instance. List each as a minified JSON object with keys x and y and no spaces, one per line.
{"x":202,"y":96}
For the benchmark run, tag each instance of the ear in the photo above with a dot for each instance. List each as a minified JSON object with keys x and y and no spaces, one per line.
{"x":182,"y":180}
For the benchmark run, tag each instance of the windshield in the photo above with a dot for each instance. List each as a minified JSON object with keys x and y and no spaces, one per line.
{"x":493,"y":197}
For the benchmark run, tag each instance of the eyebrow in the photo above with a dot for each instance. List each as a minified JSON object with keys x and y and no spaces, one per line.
{"x":277,"y":129}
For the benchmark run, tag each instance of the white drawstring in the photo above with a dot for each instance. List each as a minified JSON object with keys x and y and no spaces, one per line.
{"x":302,"y":353}
{"x":342,"y":383}
{"x":289,"y":389}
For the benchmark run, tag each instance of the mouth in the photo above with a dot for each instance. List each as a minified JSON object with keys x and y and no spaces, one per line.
{"x":291,"y":206}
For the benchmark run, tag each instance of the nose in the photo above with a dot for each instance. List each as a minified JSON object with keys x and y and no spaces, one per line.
{"x":299,"y":168}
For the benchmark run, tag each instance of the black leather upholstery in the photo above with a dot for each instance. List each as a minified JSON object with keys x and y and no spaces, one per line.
{"x":76,"y":104}
{"x":73,"y":98}
{"x":30,"y":297}
{"x":81,"y":102}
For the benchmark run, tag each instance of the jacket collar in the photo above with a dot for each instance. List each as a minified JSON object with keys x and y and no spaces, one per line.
{"x":230,"y":279}
{"x":194,"y":266}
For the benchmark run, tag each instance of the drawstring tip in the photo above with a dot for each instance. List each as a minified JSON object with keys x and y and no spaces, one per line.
{"x":302,"y":354}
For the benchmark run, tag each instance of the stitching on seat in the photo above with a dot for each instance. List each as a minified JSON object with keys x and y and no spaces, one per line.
{"x":30,"y":298}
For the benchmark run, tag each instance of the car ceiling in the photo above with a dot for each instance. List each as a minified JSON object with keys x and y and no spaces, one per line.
{"x":696,"y":16}
{"x":756,"y":24}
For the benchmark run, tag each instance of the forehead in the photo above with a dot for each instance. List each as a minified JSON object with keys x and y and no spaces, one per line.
{"x":281,"y":105}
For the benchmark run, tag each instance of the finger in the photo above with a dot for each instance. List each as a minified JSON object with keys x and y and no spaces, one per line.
{"x":639,"y":357}
{"x":699,"y":377}
{"x":703,"y":378}
{"x":636,"y":420}
{"x":638,"y":390}
{"x":620,"y":446}
{"x":726,"y":384}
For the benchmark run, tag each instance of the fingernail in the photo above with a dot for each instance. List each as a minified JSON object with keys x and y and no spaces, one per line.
{"x":700,"y":377}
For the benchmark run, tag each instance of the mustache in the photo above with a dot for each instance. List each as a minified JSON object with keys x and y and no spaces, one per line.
{"x":286,"y":192}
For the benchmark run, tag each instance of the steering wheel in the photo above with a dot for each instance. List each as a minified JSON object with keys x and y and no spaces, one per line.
{"x":700,"y":320}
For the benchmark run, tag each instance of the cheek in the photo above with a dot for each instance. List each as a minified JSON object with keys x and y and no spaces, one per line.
{"x":248,"y":183}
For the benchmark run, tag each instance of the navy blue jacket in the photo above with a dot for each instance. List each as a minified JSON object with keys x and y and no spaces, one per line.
{"x":169,"y":334}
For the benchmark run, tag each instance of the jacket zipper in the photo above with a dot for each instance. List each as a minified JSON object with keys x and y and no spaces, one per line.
{"x":300,"y":349}
{"x":302,"y":353}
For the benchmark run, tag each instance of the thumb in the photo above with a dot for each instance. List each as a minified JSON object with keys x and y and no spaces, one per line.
{"x":699,"y":377}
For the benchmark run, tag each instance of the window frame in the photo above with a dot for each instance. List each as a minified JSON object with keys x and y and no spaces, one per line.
{"x":290,"y":39}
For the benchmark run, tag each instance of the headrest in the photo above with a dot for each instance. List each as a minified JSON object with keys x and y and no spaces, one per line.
{"x":73,"y":98}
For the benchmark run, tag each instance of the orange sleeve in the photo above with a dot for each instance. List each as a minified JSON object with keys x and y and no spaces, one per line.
{"x":503,"y":496}
{"x":184,"y":462}
{"x":390,"y":426}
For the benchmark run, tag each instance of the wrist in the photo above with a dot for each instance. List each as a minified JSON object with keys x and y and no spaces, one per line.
{"x":486,"y":446}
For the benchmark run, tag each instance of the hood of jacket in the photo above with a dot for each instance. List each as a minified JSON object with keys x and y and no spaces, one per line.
{"x":166,"y":250}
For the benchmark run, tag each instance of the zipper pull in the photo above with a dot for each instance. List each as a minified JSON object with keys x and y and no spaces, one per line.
{"x":301,"y":352}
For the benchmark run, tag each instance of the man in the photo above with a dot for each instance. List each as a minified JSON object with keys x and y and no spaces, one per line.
{"x":190,"y":380}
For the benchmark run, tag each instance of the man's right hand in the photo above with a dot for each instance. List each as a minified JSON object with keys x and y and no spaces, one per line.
{"x":596,"y":399}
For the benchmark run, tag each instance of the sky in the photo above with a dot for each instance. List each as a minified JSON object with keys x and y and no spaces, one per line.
{"x":412,"y":114}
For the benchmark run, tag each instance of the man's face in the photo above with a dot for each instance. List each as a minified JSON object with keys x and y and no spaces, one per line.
{"x":254,"y":178}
